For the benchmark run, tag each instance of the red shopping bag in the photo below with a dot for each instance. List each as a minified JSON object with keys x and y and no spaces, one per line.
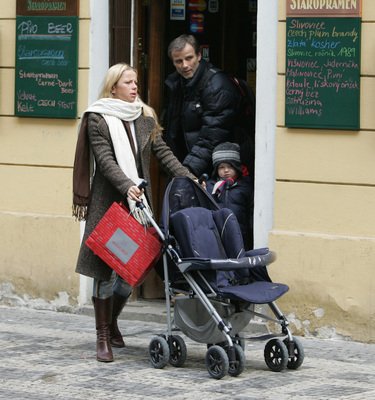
{"x":125,"y":245}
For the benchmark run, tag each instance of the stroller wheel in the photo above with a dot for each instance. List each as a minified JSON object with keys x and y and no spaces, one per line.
{"x":240,"y":340}
{"x":276,"y":355}
{"x":159,"y":352}
{"x":217,"y":362}
{"x":177,"y":349}
{"x":296,"y":354}
{"x":237,"y":366}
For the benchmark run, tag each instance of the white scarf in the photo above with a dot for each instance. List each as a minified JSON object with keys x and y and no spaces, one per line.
{"x":113,"y":111}
{"x":117,"y":108}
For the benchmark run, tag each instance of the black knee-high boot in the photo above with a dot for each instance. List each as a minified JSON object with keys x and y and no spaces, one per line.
{"x":103,"y":316}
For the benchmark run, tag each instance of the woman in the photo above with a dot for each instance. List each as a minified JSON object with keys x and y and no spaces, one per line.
{"x":120,"y":132}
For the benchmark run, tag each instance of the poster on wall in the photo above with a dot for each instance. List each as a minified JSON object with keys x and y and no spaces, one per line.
{"x":205,"y":51}
{"x":197,"y":5}
{"x":322,"y":75}
{"x":177,"y":10}
{"x":196,"y":22}
{"x":213,"y":6}
{"x":46,"y":76}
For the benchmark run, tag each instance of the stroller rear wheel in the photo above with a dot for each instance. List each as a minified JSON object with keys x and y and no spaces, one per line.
{"x":240,"y":340}
{"x":217,"y":362}
{"x":237,"y":366}
{"x":296,"y":355}
{"x":177,"y":349}
{"x":276,"y":355}
{"x":159,"y":352}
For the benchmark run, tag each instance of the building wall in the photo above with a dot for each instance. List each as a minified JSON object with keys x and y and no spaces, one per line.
{"x":266,"y":99}
{"x":324,"y":212}
{"x":39,"y":238}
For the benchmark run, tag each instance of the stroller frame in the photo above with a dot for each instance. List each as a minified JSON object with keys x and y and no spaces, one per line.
{"x":228,"y":356}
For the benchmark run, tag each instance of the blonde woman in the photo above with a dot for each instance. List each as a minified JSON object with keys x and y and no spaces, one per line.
{"x":118,"y":134}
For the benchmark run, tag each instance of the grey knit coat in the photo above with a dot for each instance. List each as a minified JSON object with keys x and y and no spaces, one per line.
{"x":110,"y":184}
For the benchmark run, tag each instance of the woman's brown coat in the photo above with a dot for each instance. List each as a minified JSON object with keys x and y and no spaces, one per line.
{"x":111,"y":184}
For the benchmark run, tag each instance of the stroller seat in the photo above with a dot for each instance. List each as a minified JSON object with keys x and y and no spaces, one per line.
{"x":211,"y":241}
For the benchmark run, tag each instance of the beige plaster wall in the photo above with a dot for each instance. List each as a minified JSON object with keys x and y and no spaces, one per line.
{"x":39,"y":238}
{"x":324,"y":214}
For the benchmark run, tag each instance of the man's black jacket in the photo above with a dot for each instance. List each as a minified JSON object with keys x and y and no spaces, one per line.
{"x":199,"y":118}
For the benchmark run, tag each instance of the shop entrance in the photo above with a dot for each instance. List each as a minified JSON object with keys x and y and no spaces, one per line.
{"x":226,"y":31}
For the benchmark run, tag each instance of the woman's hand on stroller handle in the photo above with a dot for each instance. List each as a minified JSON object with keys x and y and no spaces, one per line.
{"x":202,"y":180}
{"x":135,"y":192}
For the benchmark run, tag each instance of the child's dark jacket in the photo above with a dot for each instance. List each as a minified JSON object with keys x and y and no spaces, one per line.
{"x":239,"y":198}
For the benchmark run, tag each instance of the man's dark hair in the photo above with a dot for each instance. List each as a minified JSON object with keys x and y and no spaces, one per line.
{"x":181,"y":41}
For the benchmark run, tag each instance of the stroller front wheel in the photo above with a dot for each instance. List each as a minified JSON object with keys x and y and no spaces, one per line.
{"x":276,"y":355}
{"x":296,"y":354}
{"x":177,"y":351}
{"x":159,"y":352}
{"x":237,"y":366}
{"x":217,"y":362}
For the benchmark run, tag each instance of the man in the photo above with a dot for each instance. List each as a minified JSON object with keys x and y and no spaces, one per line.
{"x":202,"y":109}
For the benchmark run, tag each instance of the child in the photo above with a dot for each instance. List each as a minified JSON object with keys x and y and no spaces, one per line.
{"x":232,"y":188}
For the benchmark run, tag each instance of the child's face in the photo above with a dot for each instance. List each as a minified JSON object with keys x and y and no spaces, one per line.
{"x":226,"y":171}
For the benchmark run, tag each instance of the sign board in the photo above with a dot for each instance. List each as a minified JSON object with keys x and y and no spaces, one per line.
{"x":324,"y":8}
{"x":46,"y":74}
{"x":322,"y":78}
{"x":177,"y":10}
{"x":47,"y":7}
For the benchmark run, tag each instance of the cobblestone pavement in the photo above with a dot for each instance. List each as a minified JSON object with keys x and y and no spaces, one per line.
{"x":51,"y":355}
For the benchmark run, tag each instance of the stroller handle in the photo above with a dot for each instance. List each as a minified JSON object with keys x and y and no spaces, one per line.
{"x":141,"y":186}
{"x":203,"y":178}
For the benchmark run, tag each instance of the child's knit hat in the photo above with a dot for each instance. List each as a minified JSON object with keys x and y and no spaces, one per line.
{"x":229,"y":153}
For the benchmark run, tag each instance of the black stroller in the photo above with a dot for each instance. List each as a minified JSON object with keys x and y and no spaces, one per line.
{"x":214,"y":284}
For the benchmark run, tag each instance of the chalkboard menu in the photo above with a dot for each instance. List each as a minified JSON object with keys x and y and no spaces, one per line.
{"x":322,"y":81}
{"x":46,"y":66}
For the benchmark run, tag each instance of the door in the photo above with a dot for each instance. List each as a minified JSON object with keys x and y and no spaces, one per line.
{"x":148,"y":53}
{"x":127,"y":45}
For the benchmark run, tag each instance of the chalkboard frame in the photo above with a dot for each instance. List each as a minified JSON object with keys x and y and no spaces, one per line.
{"x":46,"y":73}
{"x":340,"y":110}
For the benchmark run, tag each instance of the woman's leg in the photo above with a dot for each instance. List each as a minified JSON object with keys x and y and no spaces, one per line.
{"x":103,"y":305}
{"x":121,"y":292}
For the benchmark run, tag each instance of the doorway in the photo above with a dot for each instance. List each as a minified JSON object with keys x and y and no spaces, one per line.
{"x":140,"y":31}
{"x":226,"y":31}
